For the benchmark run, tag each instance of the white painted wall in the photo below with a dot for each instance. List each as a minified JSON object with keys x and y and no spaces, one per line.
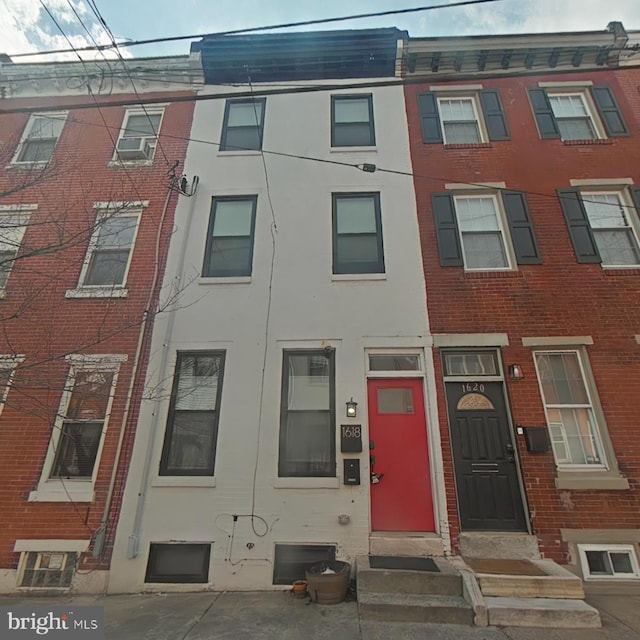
{"x":309,"y":309}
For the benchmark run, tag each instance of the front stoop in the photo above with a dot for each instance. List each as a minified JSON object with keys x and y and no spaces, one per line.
{"x":393,"y":595}
{"x":542,"y":612}
{"x":400,"y":543}
{"x":494,"y":544}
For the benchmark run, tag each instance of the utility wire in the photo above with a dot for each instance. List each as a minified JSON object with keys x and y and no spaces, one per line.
{"x":284,"y":25}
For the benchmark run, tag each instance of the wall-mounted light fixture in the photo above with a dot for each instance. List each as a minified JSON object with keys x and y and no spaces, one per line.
{"x":352,"y":408}
{"x":515,"y":372}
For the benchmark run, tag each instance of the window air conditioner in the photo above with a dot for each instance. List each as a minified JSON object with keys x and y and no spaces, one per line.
{"x":134,"y":149}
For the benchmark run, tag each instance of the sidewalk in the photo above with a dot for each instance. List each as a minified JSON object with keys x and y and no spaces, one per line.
{"x":278,"y":616}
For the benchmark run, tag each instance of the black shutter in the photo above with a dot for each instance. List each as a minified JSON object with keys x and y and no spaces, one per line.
{"x":444,"y":215}
{"x":494,"y":115}
{"x":543,"y":112}
{"x":523,"y":236}
{"x":429,"y":118}
{"x":609,"y":112}
{"x":578,"y":224}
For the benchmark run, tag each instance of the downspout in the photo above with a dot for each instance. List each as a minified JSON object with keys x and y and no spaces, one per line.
{"x":101,"y":533}
{"x":132,"y":546}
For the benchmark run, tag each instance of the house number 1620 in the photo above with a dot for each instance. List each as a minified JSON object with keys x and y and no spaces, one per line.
{"x":472,"y":386}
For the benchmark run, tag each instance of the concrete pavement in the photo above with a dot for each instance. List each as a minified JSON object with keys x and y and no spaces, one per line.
{"x":278,"y":616}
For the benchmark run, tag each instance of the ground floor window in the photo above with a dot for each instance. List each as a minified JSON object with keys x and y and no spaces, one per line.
{"x":48,"y":569}
{"x":292,"y":560}
{"x":609,"y":561}
{"x":178,"y":563}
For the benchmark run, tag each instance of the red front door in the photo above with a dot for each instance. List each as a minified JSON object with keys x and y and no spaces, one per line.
{"x":401,"y":500}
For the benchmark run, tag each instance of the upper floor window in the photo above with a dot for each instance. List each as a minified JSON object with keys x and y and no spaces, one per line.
{"x":110,"y":249}
{"x":462,"y":117}
{"x":604,"y":225}
{"x":357,"y":233}
{"x":139,"y":135}
{"x":192,"y":427}
{"x":243,"y":125}
{"x":229,"y":250}
{"x":39,"y":138}
{"x":471,"y":232}
{"x":352,"y":121}
{"x":12,"y":229}
{"x":577,"y":113}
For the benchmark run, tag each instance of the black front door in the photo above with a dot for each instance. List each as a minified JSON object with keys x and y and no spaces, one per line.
{"x":489,"y":496}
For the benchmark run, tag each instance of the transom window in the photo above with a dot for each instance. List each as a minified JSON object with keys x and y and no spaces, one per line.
{"x":110,"y":250}
{"x":357,"y":233}
{"x":601,"y":561}
{"x":575,"y":436}
{"x":307,"y":414}
{"x":12,"y":228}
{"x":481,"y":232}
{"x":613,"y":231}
{"x":83,"y":424}
{"x":40,"y":138}
{"x":460,"y":122}
{"x":352,"y":121}
{"x":394,"y":362}
{"x":229,"y":250}
{"x":243,"y":125}
{"x":572,"y":116}
{"x":192,"y":428}
{"x":480,"y":363}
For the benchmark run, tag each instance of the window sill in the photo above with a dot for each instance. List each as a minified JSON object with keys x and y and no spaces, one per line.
{"x":306,"y":483}
{"x":127,"y":164}
{"x":27,"y":165}
{"x":507,"y":273}
{"x":183,"y":481}
{"x":576,"y":481}
{"x":346,"y":277}
{"x":227,"y":280}
{"x":626,"y":270}
{"x":353,"y":149}
{"x":60,"y":495}
{"x":579,"y":143}
{"x":241,"y":152}
{"x":471,"y":145}
{"x":98,"y":292}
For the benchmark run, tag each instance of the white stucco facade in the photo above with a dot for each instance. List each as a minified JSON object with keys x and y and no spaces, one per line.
{"x":291,"y":300}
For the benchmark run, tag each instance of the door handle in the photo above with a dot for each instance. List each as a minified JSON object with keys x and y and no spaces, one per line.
{"x":509,"y":448}
{"x":372,"y":445}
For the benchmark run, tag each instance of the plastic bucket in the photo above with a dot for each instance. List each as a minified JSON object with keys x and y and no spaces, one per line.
{"x":328,"y":587}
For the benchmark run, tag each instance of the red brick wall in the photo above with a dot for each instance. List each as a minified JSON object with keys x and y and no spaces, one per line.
{"x":558,"y":298}
{"x":36,"y":319}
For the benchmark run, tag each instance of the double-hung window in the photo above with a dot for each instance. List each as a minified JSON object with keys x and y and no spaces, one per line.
{"x":460,"y":122}
{"x":352,"y":121}
{"x":243,"y":125}
{"x":83,"y":424}
{"x":40,"y":138}
{"x":110,"y":249}
{"x":12,"y":228}
{"x":229,"y":250}
{"x":572,"y":116}
{"x":357,"y":233}
{"x":307,"y":414}
{"x":568,"y":405}
{"x":192,"y":428}
{"x":139,"y":135}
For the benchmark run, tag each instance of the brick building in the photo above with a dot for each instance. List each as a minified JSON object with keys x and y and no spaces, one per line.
{"x":86,"y":216}
{"x":525,"y":160}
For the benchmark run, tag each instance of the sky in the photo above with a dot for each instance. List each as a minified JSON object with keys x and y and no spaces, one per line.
{"x":26,"y":27}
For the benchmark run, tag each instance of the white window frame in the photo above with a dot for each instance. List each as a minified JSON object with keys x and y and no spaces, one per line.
{"x":22,"y":219}
{"x":8,"y":362}
{"x":477,"y":111}
{"x":502,"y":227}
{"x":57,"y":115}
{"x":392,"y":373}
{"x":590,"y":108}
{"x":609,"y":548}
{"x":153,"y":140}
{"x":134,"y":211}
{"x":629,"y":212}
{"x":591,"y":397}
{"x":76,"y":489}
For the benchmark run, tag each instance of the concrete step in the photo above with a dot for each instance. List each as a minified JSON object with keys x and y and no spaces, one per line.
{"x":400,"y":543}
{"x":445,"y":582}
{"x":403,"y":607}
{"x":557,"y":583}
{"x":542,"y":612}
{"x":493,"y":544}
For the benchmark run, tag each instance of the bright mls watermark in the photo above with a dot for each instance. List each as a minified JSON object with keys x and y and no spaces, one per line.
{"x":70,"y":622}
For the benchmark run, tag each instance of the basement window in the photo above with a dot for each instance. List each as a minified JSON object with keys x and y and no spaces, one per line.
{"x":609,"y":561}
{"x":292,"y":560}
{"x":48,"y":570}
{"x":181,"y":563}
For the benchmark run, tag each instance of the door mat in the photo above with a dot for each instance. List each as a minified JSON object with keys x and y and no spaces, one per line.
{"x":402,"y":563}
{"x":504,"y":567}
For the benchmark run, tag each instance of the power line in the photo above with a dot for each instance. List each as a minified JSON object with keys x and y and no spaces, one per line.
{"x":283,"y":25}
